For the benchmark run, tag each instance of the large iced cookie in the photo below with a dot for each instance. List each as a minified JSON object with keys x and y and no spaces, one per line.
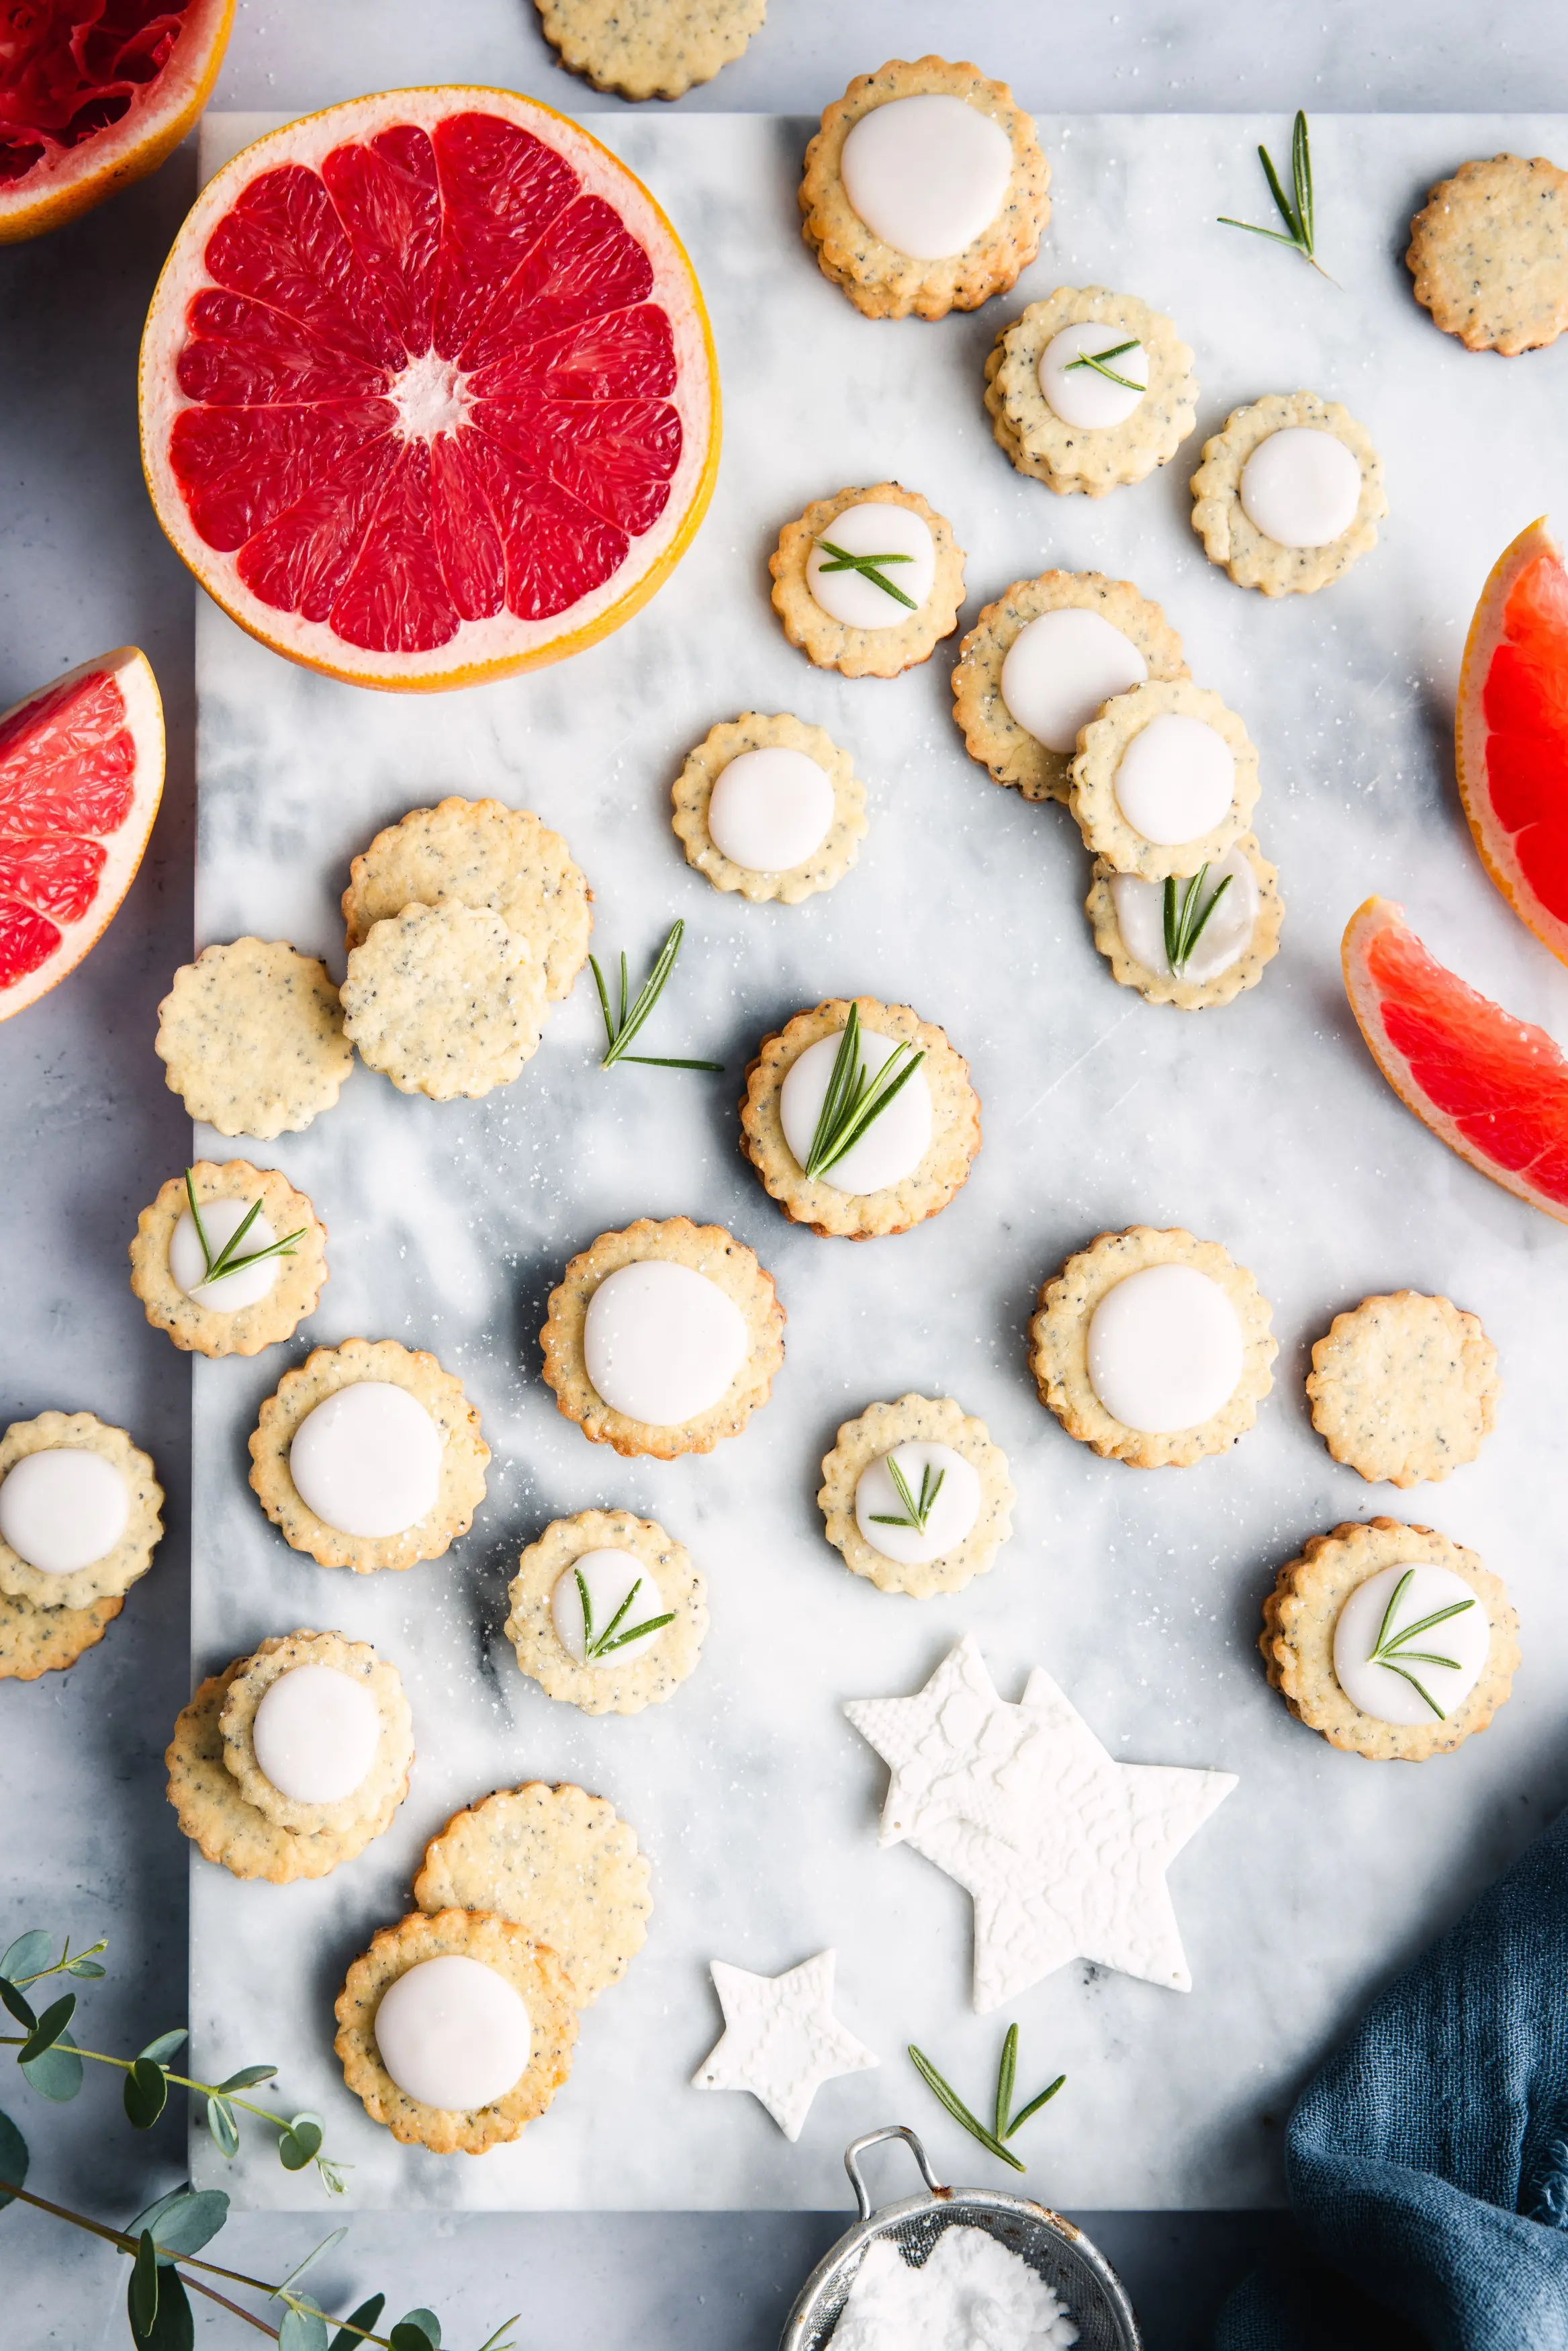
{"x":648,"y":48}
{"x":869,"y":581}
{"x":253,"y":1037}
{"x":218,"y":1280}
{"x":1404,"y":1388}
{"x":1090,"y":391}
{"x":770,"y":807}
{"x":1164,"y":781}
{"x":1192,"y":942}
{"x":1489,"y":253}
{"x":445,"y":1001}
{"x":608,"y":1613}
{"x":915,"y":1496}
{"x":1288,"y":494}
{"x":80,"y":1513}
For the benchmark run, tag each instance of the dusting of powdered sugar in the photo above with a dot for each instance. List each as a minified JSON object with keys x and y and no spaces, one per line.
{"x":971,"y":2294}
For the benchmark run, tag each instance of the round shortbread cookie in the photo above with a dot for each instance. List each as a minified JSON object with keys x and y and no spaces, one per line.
{"x":1103,"y":745}
{"x":252,"y":1036}
{"x":1404,"y":1388}
{"x":323,"y":1372}
{"x":648,"y":48}
{"x":536,"y":1976}
{"x":1233,"y":540}
{"x":882,"y":282}
{"x":619,"y":1685}
{"x":865,"y":653}
{"x":110,"y":1577}
{"x":918,"y":1420}
{"x":387,"y":1782}
{"x":445,"y":1001}
{"x":707,"y":1250}
{"x":478,"y":853}
{"x":991,"y":735}
{"x":861,"y":1215}
{"x":1059,"y":1346}
{"x":1068,"y":457}
{"x":1167,"y":986}
{"x":557,"y":1862}
{"x":35,"y":1641}
{"x":1300,"y":1617}
{"x":1489,"y":253}
{"x":189,"y":1322}
{"x":834,"y":855}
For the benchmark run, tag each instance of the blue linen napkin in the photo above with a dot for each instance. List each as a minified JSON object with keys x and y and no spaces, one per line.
{"x":1428,"y":2161}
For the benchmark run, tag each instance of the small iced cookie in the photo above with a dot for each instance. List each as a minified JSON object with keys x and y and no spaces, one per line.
{"x":445,"y":1001}
{"x":1289,"y":492}
{"x":253,"y":1037}
{"x":1404,"y":1388}
{"x":1045,"y":659}
{"x":1153,"y":1347}
{"x":1224,"y":922}
{"x":770,"y":807}
{"x":248,"y":1306}
{"x":1164,"y":782}
{"x":478,"y":853}
{"x":455,"y":2031}
{"x":939,"y":1528}
{"x":1076,"y":425}
{"x":35,"y":1640}
{"x":1489,"y":253}
{"x":648,"y":48}
{"x":925,"y":190}
{"x":906,"y":1165}
{"x":663,"y":1338}
{"x":558,"y":1862}
{"x":79,"y":1512}
{"x":849,"y":614}
{"x":635,"y":1574}
{"x":317,"y":1733}
{"x":1389,"y":1640}
{"x":369,"y":1456}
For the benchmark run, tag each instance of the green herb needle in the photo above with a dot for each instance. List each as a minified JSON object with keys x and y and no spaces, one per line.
{"x":1096,"y":359}
{"x":868,"y":567}
{"x":855,"y":1100}
{"x":1299,"y":231}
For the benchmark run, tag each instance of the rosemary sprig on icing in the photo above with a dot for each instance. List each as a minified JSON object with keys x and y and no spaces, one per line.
{"x":599,"y":1645}
{"x":915,"y":1513}
{"x":1299,"y":232}
{"x":1390,"y":1650}
{"x":619,"y":1033}
{"x":867,"y":566}
{"x":1186,"y":917}
{"x":1096,"y":359}
{"x":855,"y":1098}
{"x":1007,"y":2124}
{"x":226,"y":1260}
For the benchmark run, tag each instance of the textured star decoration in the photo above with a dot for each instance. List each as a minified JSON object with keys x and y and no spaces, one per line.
{"x":781,"y":2039}
{"x":1062,"y":1850}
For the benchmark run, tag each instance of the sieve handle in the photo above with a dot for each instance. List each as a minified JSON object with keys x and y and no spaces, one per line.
{"x":852,"y":2156}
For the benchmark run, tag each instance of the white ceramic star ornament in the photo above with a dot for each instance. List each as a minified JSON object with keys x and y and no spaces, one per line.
{"x":781,"y":2039}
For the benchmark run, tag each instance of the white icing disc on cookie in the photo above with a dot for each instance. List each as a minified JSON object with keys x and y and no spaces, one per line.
{"x":951,"y":1513}
{"x":611,"y":1577}
{"x":875,"y":528}
{"x":220,"y":1221}
{"x":895,"y":1143}
{"x":770,"y":809}
{"x":453,"y":2033}
{"x":1165,"y":1350}
{"x":63,"y":1509}
{"x":661,"y":1343}
{"x":1083,"y":396}
{"x":1301,"y":487}
{"x":368,"y":1459}
{"x":926,"y":174}
{"x":1383,"y":1690}
{"x":315,"y":1733}
{"x":1226,"y":936}
{"x":1061,"y":668}
{"x":1176,"y":779}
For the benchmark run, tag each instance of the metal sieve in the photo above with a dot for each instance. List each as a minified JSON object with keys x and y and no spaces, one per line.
{"x":1076,"y":2272}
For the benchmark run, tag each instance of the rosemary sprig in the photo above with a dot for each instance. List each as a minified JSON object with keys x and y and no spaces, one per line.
{"x":1186,"y":918}
{"x":1390,"y":1648}
{"x":619,"y":1033}
{"x":855,"y":1098}
{"x":599,"y":1645}
{"x":1096,"y":359}
{"x":1007,"y":2124}
{"x":1299,"y":230}
{"x":867,"y":566}
{"x":225,"y":1262}
{"x":915,"y":1513}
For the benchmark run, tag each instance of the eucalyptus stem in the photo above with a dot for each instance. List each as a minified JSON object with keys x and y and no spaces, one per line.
{"x":184,"y":2081}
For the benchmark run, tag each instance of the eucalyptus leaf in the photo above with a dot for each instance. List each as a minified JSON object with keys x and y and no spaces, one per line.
{"x":358,"y":2323}
{"x":57,"y":2073}
{"x":173,"y":2329}
{"x":428,"y":2324}
{"x":27,"y":1956}
{"x":22,"y":2009}
{"x":183,"y":2221}
{"x":85,"y":1967}
{"x":146,"y":2093}
{"x":163,"y":2048}
{"x":141,"y":2301}
{"x":302,"y":2330}
{"x":248,"y":2076}
{"x":221,"y":2123}
{"x":12,"y":2160}
{"x":49,"y":2028}
{"x":408,"y":2337}
{"x":301,"y":2142}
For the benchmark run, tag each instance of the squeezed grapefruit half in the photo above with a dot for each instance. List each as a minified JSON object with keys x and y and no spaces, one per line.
{"x":1511,"y":732}
{"x":428,"y":390}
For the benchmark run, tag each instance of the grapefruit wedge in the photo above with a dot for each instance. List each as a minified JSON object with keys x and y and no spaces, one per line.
{"x":1493,"y":1088}
{"x":1511,"y":732}
{"x":94,"y":94}
{"x":82,"y":769}
{"x":428,"y":390}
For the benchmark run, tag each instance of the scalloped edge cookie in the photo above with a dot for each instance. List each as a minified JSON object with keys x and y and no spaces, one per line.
{"x":1489,"y":253}
{"x":1235,"y":543}
{"x":294,"y":1293}
{"x":1059,"y":1345}
{"x":1072,"y":457}
{"x":923,"y":1420}
{"x":394,"y":1750}
{"x":1167,"y":986}
{"x":648,"y":48}
{"x":110,"y":1577}
{"x":865,"y":653}
{"x":1404,"y":1387}
{"x":252,"y":1034}
{"x":648,"y":1678}
{"x":35,"y":1641}
{"x":834,"y":855}
{"x":1103,"y":743}
{"x":1297,"y":1640}
{"x":447,"y":1001}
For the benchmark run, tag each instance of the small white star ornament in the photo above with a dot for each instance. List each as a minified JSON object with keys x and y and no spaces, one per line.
{"x":781,"y":2039}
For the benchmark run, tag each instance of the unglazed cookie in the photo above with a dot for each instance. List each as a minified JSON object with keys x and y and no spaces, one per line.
{"x":1404,"y":1388}
{"x":272,"y":1299}
{"x":1153,"y":1347}
{"x":625,"y":1552}
{"x":445,"y":1001}
{"x":252,"y":1036}
{"x":78,"y":1512}
{"x":873,"y":633}
{"x":1103,"y":434}
{"x":1164,"y":780}
{"x":1489,"y":253}
{"x":35,"y":1641}
{"x":686,"y":1341}
{"x":912,"y":1160}
{"x":1064,"y":676}
{"x":774,"y":788}
{"x":926,"y":175}
{"x":954,"y":1477}
{"x":404,"y":1461}
{"x":531,"y":1971}
{"x":478,"y":853}
{"x":555,"y":1861}
{"x":1288,"y":517}
{"x":1315,"y":1628}
{"x":314,"y":1734}
{"x":648,"y":48}
{"x":1238,"y":939}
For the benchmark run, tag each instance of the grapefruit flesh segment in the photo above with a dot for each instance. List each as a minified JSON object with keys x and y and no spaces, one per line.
{"x":1510,"y":733}
{"x":1493,"y":1088}
{"x":82,"y":769}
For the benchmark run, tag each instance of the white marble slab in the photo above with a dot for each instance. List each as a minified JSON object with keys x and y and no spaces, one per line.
{"x":1263,"y":1124}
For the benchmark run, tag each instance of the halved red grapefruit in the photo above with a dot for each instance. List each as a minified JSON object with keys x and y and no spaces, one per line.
{"x":82,"y":769}
{"x":94,"y":94}
{"x":1511,"y":732}
{"x":428,"y":390}
{"x":1493,"y":1088}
